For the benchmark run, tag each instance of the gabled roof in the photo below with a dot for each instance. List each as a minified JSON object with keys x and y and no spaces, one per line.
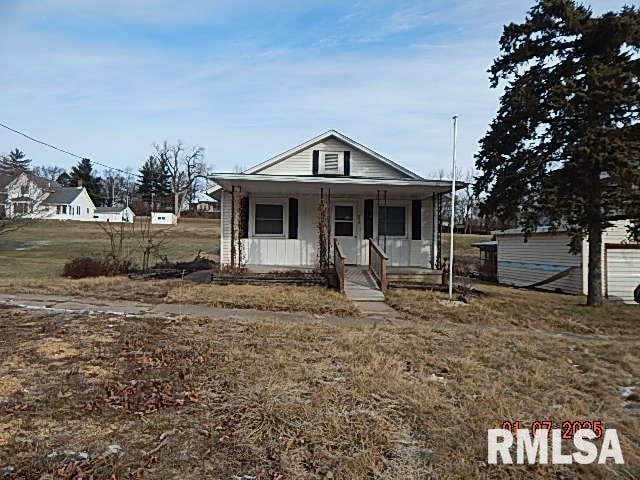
{"x":324,"y":136}
{"x":42,"y":182}
{"x":6,"y":179}
{"x":63,"y":195}
{"x":117,"y":209}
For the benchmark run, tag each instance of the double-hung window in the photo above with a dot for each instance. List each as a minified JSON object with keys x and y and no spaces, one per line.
{"x":269,"y":219}
{"x":392,"y":221}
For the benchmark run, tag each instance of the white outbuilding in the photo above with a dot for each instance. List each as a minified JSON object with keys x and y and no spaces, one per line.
{"x":163,"y":218}
{"x":117,"y":214}
{"x":544,"y":261}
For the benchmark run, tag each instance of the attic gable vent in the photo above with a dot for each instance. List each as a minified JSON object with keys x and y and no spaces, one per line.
{"x":331,"y":163}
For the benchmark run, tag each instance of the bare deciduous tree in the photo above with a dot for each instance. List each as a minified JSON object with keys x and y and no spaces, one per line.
{"x":49,"y":172}
{"x":185,"y":167}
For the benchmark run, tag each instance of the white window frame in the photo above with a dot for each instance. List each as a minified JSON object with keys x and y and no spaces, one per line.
{"x":353,"y":220}
{"x":321,"y":164}
{"x":268,"y":201}
{"x":407,"y":213}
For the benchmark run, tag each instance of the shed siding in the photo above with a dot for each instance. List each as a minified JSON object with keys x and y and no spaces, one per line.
{"x":542,"y":256}
{"x":362,"y":165}
{"x":617,"y":233}
{"x":623,"y":273}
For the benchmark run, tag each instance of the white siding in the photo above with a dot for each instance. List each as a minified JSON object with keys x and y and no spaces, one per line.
{"x":617,"y":233}
{"x":303,"y":250}
{"x":225,"y":228}
{"x":623,"y":273}
{"x":362,"y":165}
{"x":82,"y":201}
{"x":542,"y":256}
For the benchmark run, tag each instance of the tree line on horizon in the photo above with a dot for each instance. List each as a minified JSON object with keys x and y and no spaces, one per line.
{"x":170,"y":179}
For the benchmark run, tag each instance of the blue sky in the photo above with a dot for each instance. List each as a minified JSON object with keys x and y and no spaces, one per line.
{"x":247,"y":80}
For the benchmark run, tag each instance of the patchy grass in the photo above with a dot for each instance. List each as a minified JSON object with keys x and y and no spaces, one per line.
{"x":319,"y":300}
{"x":501,"y":306}
{"x":120,"y":287}
{"x":213,"y":399}
{"x":462,"y":243}
{"x":42,"y":248}
{"x":272,"y":297}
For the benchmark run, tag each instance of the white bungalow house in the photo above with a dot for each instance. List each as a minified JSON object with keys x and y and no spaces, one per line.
{"x":117,"y":214}
{"x":67,"y":203}
{"x":272,"y":209}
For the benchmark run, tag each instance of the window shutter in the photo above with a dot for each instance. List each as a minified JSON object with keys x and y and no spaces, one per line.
{"x":368,"y":218}
{"x":244,"y":218}
{"x":347,"y":163}
{"x":416,"y":219}
{"x":293,"y":218}
{"x":314,"y":167}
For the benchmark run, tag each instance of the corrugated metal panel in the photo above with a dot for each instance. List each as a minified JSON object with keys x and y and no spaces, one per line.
{"x":623,"y":273}
{"x":362,"y":165}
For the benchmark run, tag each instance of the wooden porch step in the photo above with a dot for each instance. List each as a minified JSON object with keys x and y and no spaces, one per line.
{"x":359,"y":286}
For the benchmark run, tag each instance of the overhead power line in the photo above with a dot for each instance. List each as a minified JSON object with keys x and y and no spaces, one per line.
{"x":63,"y":150}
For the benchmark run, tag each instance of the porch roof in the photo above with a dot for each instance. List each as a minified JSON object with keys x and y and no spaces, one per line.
{"x":311,"y":184}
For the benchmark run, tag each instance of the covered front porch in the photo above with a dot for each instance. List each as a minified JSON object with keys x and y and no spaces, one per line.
{"x":296,"y":221}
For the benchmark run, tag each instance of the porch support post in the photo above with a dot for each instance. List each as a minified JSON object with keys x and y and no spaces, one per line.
{"x":386,"y":233}
{"x":434,"y":226}
{"x":328,"y":249}
{"x":377,"y":226}
{"x":233,"y":226}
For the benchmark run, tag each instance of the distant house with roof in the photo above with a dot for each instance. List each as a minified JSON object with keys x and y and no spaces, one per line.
{"x":22,"y":193}
{"x":28,"y":195}
{"x":117,"y":214}
{"x":68,"y":203}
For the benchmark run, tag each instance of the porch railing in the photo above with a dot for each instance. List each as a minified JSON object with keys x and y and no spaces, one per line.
{"x":378,"y":264}
{"x":338,"y":262}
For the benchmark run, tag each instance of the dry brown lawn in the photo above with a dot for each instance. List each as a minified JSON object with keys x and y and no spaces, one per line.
{"x":312,"y":299}
{"x":41,"y":249}
{"x":120,"y":287}
{"x":147,"y":398}
{"x":500,"y":306}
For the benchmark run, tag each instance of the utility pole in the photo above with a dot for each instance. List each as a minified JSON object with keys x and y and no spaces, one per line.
{"x":453,"y":206}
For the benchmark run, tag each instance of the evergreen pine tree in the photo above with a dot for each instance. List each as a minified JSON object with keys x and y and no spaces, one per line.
{"x":154,"y":179}
{"x":83,"y":173}
{"x":565,"y":144}
{"x":14,"y":162}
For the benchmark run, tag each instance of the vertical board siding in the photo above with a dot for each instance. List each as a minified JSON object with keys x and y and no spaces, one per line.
{"x":361,"y":164}
{"x":623,"y":273}
{"x":279,"y":251}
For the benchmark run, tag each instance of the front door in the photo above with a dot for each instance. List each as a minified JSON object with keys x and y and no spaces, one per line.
{"x":345,"y":230}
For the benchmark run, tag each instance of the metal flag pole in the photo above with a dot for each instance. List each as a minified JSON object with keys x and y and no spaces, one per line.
{"x":453,"y":206}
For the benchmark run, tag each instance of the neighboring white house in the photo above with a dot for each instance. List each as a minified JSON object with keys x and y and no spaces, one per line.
{"x":163,"y":218}
{"x":117,"y":214}
{"x":22,"y":193}
{"x":545,"y":254}
{"x":67,"y":203}
{"x":274,"y":206}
